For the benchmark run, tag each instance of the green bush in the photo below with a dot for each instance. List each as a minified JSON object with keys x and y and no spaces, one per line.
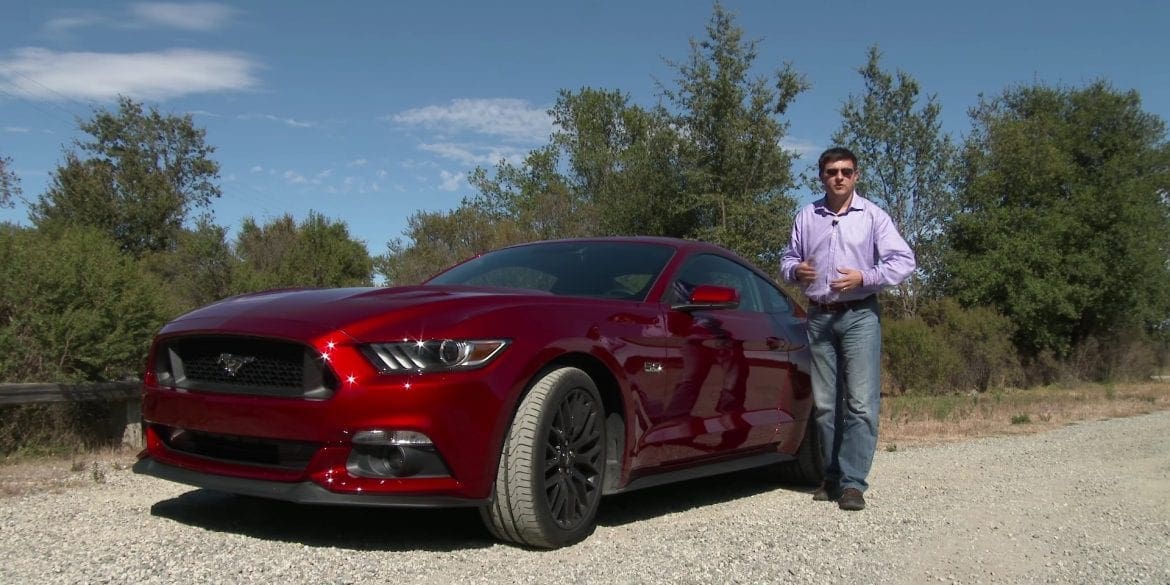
{"x":982,"y":338}
{"x":73,"y":308}
{"x":916,"y":357}
{"x":1121,"y":357}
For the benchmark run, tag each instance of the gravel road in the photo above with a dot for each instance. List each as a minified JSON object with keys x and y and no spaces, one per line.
{"x":1088,"y":503}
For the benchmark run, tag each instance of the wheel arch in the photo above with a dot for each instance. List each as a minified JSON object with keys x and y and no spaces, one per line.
{"x":612,"y":399}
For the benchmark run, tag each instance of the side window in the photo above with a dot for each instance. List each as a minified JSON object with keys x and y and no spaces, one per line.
{"x":717,"y":270}
{"x":774,"y":301}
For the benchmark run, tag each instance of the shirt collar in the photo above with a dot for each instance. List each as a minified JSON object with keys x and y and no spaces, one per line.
{"x":856,"y":203}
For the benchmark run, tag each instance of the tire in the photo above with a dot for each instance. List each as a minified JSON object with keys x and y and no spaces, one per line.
{"x":808,"y":467}
{"x":552,"y":467}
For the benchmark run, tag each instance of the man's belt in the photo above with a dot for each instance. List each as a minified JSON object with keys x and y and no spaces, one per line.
{"x":840,"y":306}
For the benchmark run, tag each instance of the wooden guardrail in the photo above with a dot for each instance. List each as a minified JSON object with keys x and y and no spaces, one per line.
{"x":123,"y":398}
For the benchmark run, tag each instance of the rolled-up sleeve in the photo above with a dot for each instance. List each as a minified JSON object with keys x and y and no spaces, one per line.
{"x":793,"y":253}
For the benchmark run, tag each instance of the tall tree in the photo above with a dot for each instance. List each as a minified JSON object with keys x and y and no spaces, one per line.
{"x":201,"y":269}
{"x":907,"y":163}
{"x":440,"y":239}
{"x":737,"y":174}
{"x":623,"y":160}
{"x":711,"y":167}
{"x":610,"y":168}
{"x":535,"y":197}
{"x":9,"y":183}
{"x":1065,"y":223}
{"x":317,"y":252}
{"x":137,"y":179}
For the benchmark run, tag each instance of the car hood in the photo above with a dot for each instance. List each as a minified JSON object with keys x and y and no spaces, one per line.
{"x":308,"y":313}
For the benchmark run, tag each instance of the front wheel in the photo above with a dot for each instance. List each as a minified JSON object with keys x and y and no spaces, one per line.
{"x":548,"y":484}
{"x":808,"y":466}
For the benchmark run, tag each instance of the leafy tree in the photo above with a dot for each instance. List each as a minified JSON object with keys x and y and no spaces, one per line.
{"x":737,"y":174}
{"x":623,"y":160}
{"x":137,"y":179}
{"x":611,"y":183}
{"x":710,"y":169}
{"x":1065,"y":223}
{"x":200,"y":270}
{"x":9,"y":183}
{"x":317,"y":252}
{"x":535,"y":197}
{"x":74,"y":308}
{"x":908,"y":164}
{"x":441,"y":239}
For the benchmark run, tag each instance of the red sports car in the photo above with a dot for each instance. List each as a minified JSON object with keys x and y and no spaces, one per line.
{"x":528,"y":381}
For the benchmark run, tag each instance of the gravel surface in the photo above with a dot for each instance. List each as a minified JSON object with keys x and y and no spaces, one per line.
{"x":1088,"y":503}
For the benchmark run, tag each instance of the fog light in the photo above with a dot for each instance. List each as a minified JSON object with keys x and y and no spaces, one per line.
{"x":399,"y":438}
{"x":394,"y":453}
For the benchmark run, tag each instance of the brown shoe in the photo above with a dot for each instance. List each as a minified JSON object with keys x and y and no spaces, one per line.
{"x":827,"y":492}
{"x":851,"y":499}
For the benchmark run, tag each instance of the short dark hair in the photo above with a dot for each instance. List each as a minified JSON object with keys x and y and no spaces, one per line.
{"x":833,"y":155}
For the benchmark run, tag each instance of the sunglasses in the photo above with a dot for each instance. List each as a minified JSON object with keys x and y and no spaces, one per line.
{"x":844,"y":172}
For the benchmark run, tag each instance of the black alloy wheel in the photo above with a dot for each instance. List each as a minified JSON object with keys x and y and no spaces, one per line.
{"x":552,"y":466}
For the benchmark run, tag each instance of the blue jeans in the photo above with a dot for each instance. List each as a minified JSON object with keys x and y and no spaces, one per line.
{"x":846,"y":381}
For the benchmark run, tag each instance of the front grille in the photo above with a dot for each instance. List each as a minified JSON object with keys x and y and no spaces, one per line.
{"x":293,"y":455}
{"x":244,"y":365}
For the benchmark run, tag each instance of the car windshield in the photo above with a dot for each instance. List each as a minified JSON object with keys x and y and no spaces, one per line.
{"x":621,"y":270}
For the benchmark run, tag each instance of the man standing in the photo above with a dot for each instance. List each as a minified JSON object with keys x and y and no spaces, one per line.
{"x":844,"y":249}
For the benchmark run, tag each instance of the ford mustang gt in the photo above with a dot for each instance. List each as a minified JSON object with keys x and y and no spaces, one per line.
{"x":529,"y":382}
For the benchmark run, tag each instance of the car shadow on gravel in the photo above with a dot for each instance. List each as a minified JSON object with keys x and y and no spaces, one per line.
{"x":347,"y":527}
{"x":672,"y":498}
{"x":393,"y":529}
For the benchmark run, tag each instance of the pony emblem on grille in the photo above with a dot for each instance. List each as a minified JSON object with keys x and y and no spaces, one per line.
{"x":231,"y":363}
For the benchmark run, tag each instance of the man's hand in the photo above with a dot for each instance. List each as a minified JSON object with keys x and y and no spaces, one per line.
{"x":849,"y":280}
{"x":805,"y":272}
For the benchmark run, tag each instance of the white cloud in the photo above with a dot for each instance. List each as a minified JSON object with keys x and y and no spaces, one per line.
{"x":450,"y":181}
{"x":65,"y":24}
{"x":472,"y":154}
{"x":414,"y":163}
{"x":197,"y":16}
{"x":507,"y":118}
{"x":294,"y":178}
{"x":361,"y":162}
{"x":257,"y":169}
{"x":45,"y":74}
{"x":16,"y":129}
{"x":286,"y":121}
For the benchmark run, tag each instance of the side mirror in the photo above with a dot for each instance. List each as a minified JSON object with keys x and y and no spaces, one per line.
{"x":708,"y":297}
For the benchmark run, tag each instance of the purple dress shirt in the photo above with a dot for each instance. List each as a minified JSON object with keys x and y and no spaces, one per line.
{"x":862,"y":238}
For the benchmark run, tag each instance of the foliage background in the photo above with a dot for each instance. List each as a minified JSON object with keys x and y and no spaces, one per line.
{"x":1043,"y":236}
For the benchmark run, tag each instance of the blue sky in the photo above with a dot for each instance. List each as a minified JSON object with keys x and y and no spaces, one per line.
{"x":369,"y":111}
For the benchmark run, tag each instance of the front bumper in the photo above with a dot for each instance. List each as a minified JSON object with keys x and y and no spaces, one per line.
{"x":303,"y":492}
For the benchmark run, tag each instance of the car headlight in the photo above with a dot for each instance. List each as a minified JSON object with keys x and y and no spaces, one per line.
{"x":432,"y":355}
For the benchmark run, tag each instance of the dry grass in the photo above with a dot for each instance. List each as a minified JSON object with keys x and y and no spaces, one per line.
{"x":918,"y":420}
{"x":55,"y":474}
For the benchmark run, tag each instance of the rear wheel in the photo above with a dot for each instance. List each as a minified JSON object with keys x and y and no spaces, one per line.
{"x":552,"y":468}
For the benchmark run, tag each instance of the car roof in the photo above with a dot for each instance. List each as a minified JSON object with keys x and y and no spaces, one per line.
{"x":677,"y":243}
